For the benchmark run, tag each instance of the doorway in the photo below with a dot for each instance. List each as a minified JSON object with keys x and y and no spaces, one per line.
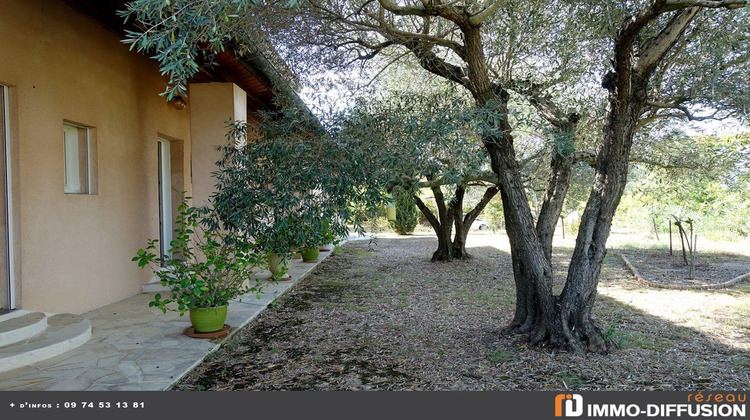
{"x":7,"y":287}
{"x":165,"y":198}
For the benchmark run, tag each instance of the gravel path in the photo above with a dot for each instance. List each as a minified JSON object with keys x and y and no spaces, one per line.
{"x":383,"y":317}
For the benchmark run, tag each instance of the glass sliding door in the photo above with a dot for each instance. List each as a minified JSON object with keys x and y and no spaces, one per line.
{"x":165,"y":197}
{"x":7,"y":295}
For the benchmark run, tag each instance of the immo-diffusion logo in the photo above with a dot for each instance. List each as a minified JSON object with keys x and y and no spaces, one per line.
{"x":568,"y":405}
{"x":715,"y":405}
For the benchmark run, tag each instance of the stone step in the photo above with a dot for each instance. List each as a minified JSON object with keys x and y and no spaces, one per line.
{"x":12,"y":314}
{"x":153,"y":287}
{"x":23,"y":327}
{"x":64,"y":332}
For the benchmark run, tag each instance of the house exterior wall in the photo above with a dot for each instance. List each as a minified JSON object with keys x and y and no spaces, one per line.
{"x":75,"y":250}
{"x":213,"y":105}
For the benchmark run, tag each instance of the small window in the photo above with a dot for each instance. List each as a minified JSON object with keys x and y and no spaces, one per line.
{"x":78,"y":156}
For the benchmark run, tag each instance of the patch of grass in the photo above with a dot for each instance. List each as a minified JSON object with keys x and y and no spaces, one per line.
{"x":402,"y":298}
{"x":500,"y":355}
{"x":632,"y":339}
{"x":333,"y":283}
{"x":609,"y":333}
{"x":401,"y":305}
{"x":490,"y":299}
{"x":230,"y":344}
{"x":646,"y":245}
{"x":404,"y":291}
{"x":681,"y":333}
{"x":740,"y":318}
{"x":211,"y":356}
{"x":741,"y":362}
{"x":363,"y":254}
{"x":356,"y":308}
{"x":338,"y":250}
{"x":569,"y":379}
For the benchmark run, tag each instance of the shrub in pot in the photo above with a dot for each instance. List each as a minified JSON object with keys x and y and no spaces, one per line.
{"x":328,"y":237}
{"x":277,"y":241}
{"x":313,"y":232}
{"x":278,"y":265}
{"x":205,"y":268}
{"x":310,"y":255}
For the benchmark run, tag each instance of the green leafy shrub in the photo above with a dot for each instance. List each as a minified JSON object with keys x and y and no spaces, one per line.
{"x":205,"y":267}
{"x":407,"y":215}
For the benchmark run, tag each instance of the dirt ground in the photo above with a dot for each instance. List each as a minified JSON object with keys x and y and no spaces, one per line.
{"x":381,"y":316}
{"x":657,"y":266}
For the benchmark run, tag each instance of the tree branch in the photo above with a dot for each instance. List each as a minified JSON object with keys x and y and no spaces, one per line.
{"x":682,"y":108}
{"x":429,"y":8}
{"x":657,"y":47}
{"x":485,"y":14}
{"x":488,"y":177}
{"x":403,"y":10}
{"x":436,"y":65}
{"x":426,"y":212}
{"x":670,"y":5}
{"x":489,"y":194}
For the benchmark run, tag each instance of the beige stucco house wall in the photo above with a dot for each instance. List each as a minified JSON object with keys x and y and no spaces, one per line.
{"x":62,"y":62}
{"x":74,"y":249}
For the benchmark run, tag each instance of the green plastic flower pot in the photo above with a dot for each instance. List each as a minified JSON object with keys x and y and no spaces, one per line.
{"x":207,"y":320}
{"x":310,"y":255}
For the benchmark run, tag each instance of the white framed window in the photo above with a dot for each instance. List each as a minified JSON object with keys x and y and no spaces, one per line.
{"x":78,"y":158}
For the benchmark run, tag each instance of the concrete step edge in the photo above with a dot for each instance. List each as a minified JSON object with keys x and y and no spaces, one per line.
{"x":14,"y":314}
{"x":22,"y":328}
{"x":56,"y":340}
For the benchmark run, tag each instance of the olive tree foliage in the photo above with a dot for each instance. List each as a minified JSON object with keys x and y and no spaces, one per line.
{"x":710,"y":187}
{"x":556,"y":55}
{"x":425,"y":140}
{"x":183,"y":35}
{"x":285,"y":183}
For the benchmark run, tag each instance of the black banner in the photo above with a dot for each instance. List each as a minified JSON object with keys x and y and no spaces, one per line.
{"x":375,"y":405}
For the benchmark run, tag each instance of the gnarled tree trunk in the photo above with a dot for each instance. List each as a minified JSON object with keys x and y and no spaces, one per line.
{"x":627,"y":85}
{"x":463,"y":222}
{"x":442,"y":224}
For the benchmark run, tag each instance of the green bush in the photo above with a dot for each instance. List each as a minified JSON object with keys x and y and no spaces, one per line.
{"x":407,"y":214}
{"x":205,"y":267}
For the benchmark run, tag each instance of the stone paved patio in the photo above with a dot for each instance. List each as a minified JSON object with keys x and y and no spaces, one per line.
{"x":137,"y":348}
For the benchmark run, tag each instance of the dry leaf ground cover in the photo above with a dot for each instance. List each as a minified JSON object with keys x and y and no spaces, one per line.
{"x":657,"y":266}
{"x":383,"y":317}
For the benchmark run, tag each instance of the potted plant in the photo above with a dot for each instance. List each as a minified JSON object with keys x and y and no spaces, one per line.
{"x":310,"y":255}
{"x":205,"y":268}
{"x":327,"y":235}
{"x":277,"y":241}
{"x":278,"y":265}
{"x":310,"y":235}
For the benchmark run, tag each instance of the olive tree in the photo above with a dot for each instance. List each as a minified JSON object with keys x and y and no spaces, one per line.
{"x":542,"y":50}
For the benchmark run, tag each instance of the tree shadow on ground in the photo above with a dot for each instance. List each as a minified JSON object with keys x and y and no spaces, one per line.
{"x":383,"y":317}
